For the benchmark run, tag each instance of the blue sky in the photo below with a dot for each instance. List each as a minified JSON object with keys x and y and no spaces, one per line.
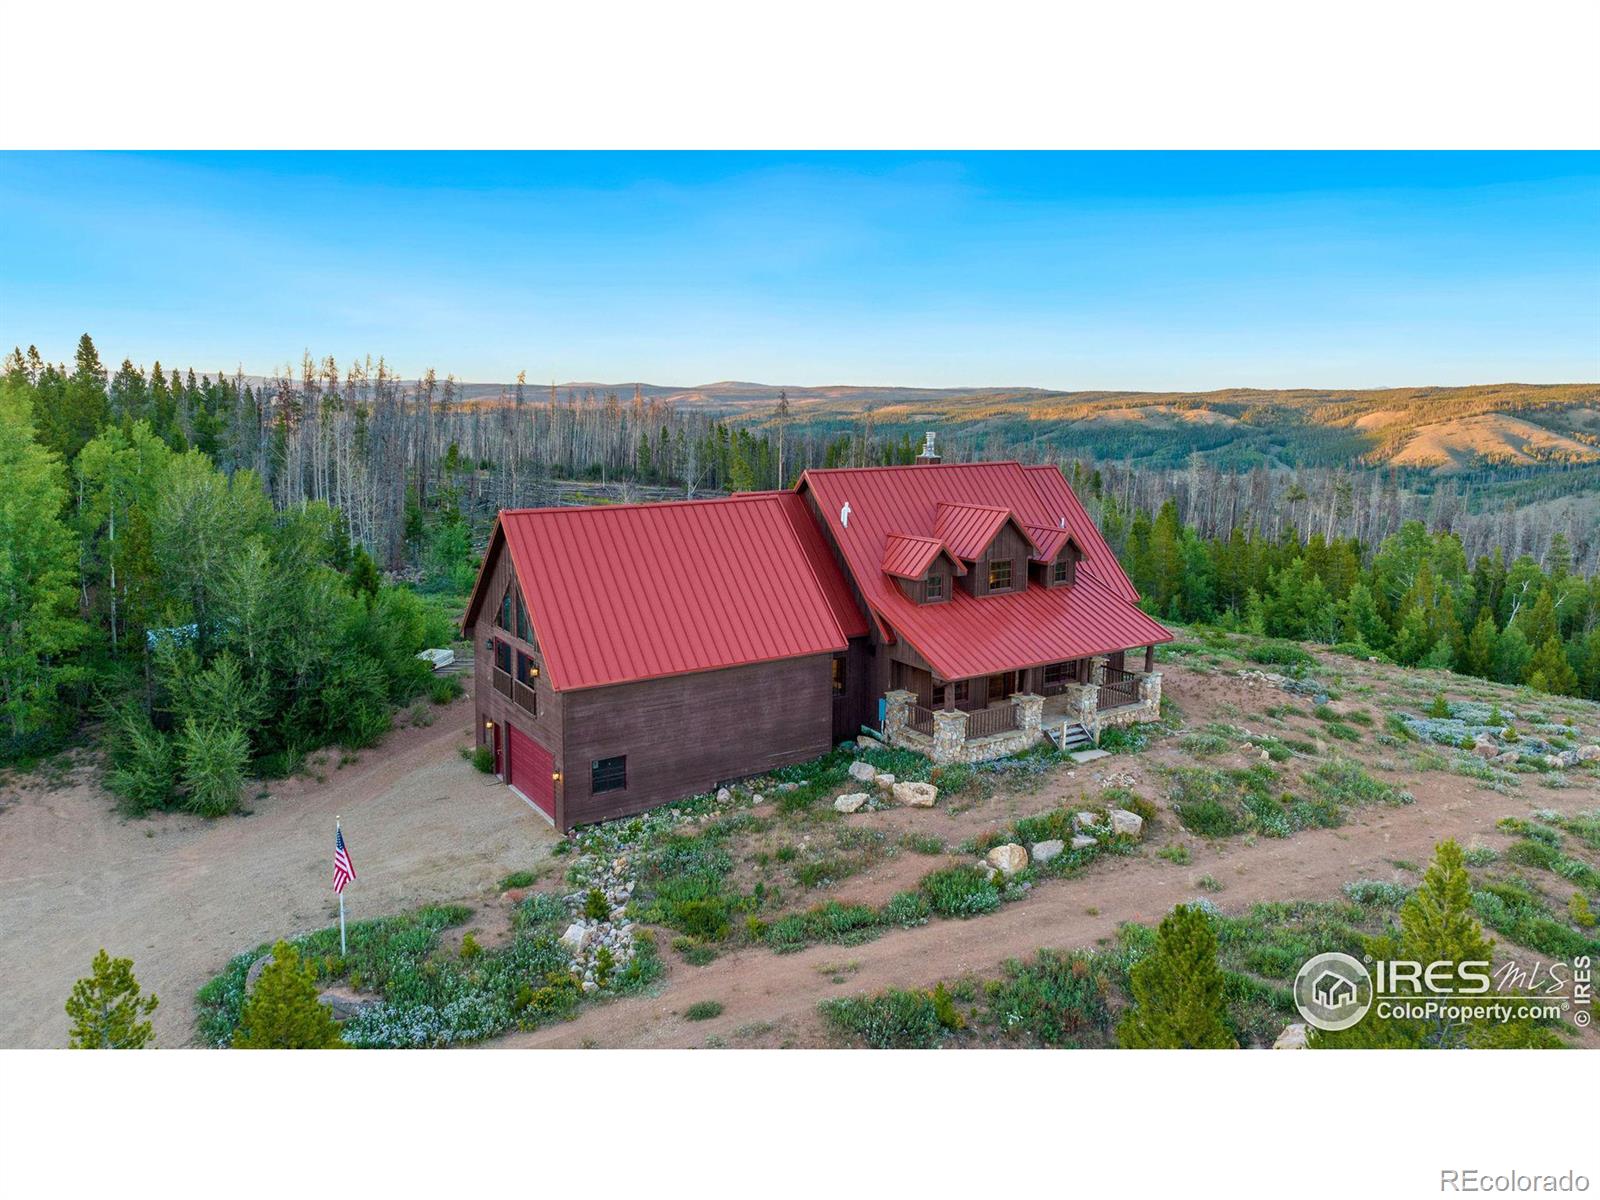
{"x":1074,"y":271}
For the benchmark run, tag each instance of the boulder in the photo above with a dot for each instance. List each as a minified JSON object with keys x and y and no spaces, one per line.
{"x":343,"y":1003}
{"x":758,"y":798}
{"x":863,"y":742}
{"x":885,"y":782}
{"x":1083,"y":841}
{"x":862,"y":772}
{"x":1589,"y":753}
{"x":1083,"y":820}
{"x":724,"y":795}
{"x":915,"y":795}
{"x":849,"y":802}
{"x":1126,"y":824}
{"x":576,"y":936}
{"x":254,"y":973}
{"x":1485,"y":749}
{"x":1509,"y":758}
{"x":1293,"y":1037}
{"x":1043,"y":852}
{"x":1007,"y":859}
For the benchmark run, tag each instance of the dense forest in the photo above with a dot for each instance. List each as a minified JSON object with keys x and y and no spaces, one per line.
{"x":230,"y":571}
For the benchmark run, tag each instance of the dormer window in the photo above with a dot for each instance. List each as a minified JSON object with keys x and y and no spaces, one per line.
{"x":1000,"y":575}
{"x":1063,"y":571}
{"x":934,"y":588}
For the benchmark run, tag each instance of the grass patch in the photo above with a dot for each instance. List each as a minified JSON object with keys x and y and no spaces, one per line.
{"x":703,"y":1011}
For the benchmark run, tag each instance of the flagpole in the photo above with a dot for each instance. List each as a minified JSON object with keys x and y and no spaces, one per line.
{"x":336,"y":833}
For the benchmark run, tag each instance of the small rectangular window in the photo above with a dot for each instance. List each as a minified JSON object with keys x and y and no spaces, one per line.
{"x":1000,"y":575}
{"x":1061,"y":571}
{"x":608,"y":774}
{"x":1055,"y":675}
{"x":838,"y":674}
{"x":938,"y":696}
{"x":502,"y":656}
{"x":963,"y":691}
{"x":934,"y":588}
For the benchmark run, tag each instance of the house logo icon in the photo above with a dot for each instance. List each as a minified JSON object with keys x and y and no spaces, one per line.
{"x":1333,"y":991}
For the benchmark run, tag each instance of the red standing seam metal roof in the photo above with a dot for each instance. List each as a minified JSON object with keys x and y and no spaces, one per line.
{"x":626,"y":592}
{"x":968,"y":636}
{"x":907,"y":556}
{"x":969,"y":528}
{"x":1057,"y":497}
{"x":1048,"y":541}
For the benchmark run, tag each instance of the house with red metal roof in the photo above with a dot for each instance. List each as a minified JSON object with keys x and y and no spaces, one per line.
{"x":631,"y":655}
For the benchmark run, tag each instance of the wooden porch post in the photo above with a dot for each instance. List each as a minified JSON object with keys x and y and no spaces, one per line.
{"x":1149,"y":658}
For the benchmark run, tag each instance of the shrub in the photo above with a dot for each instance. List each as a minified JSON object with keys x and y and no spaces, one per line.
{"x":1058,"y":999}
{"x":283,"y":1013}
{"x":695,"y":952}
{"x":1208,"y":817}
{"x":442,"y":689}
{"x":214,"y":758}
{"x":595,"y":905}
{"x":107,"y":1009}
{"x":483,"y":759}
{"x":470,"y":948}
{"x":924,"y":843}
{"x":1376,"y":893}
{"x":1439,"y":710}
{"x":893,"y":1019}
{"x":960,"y":892}
{"x":517,"y":879}
{"x":944,"y":1009}
{"x":704,"y":1010}
{"x":1282,"y":654}
{"x":1345,"y":782}
{"x":907,"y":909}
{"x":1580,"y":912}
{"x":144,"y":771}
{"x":1175,"y":854}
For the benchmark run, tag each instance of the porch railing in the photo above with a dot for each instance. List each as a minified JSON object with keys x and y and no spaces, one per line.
{"x":989,"y":721}
{"x":920,"y":720}
{"x":1120,"y":687}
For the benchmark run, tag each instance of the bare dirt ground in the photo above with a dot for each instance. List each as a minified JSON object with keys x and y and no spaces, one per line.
{"x":181,"y":895}
{"x":771,"y":1000}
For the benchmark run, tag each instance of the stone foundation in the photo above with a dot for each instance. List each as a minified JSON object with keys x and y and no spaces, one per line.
{"x":949,"y":743}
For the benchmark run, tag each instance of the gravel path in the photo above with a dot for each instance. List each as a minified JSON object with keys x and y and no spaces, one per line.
{"x":181,"y":895}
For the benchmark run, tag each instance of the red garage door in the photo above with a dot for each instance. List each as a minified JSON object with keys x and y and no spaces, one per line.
{"x":530,"y":770}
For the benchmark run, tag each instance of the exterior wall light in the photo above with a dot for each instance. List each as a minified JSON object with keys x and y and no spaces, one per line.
{"x":555,"y":776}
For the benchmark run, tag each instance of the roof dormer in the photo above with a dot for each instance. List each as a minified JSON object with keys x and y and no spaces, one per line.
{"x":923,"y":566}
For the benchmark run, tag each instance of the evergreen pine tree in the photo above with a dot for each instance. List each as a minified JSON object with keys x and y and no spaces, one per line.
{"x":1177,"y":989}
{"x":1511,"y":655}
{"x":283,"y":1012}
{"x":1549,"y":670}
{"x":107,"y":1010}
{"x":1478,"y":658}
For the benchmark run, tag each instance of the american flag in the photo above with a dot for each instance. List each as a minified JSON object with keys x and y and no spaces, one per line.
{"x":343,"y":871}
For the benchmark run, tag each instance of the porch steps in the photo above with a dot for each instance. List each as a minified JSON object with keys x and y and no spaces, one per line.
{"x":1073,"y":737}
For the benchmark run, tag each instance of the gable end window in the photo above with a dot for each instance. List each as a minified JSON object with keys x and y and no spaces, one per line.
{"x":1000,"y":575}
{"x":524,"y":628}
{"x":1061,"y":571}
{"x":506,"y":604}
{"x":502,"y":656}
{"x":608,"y":774}
{"x":933,"y":589}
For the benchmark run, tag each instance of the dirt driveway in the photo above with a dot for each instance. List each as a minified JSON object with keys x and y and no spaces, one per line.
{"x":180,"y":895}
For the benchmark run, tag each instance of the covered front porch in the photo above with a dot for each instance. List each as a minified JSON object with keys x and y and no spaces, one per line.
{"x":992,"y":716}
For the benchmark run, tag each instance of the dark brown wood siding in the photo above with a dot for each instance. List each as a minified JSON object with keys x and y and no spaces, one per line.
{"x":545,"y":727}
{"x":688,"y":733}
{"x":1007,"y":544}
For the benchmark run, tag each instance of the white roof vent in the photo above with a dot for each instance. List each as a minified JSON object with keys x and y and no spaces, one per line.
{"x":844,"y":515}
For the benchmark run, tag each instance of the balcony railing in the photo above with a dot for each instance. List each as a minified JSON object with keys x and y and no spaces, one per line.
{"x":502,"y":683}
{"x":524,"y":697}
{"x":1120,"y":687}
{"x":987,"y":722}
